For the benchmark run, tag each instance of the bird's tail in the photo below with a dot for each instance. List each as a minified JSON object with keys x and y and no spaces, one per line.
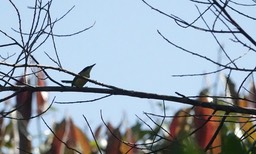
{"x":66,"y":81}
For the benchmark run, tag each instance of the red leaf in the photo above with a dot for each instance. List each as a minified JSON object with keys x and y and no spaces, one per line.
{"x":59,"y":132}
{"x":41,"y":96}
{"x":23,"y":106}
{"x":97,"y":132}
{"x":114,"y":143}
{"x":178,"y":123}
{"x":24,"y":100}
{"x":67,"y":132}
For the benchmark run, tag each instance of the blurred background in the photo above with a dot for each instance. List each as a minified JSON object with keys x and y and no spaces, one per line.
{"x":128,"y":52}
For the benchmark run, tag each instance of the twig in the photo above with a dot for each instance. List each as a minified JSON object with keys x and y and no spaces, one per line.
{"x":83,"y":101}
{"x":55,"y":135}
{"x":88,"y":124}
{"x":217,"y":131}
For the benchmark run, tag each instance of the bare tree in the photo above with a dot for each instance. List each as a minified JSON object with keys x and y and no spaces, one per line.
{"x":206,"y":113}
{"x":230,"y":20}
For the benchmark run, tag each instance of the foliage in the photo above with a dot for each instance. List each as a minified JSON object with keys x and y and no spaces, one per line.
{"x":191,"y":130}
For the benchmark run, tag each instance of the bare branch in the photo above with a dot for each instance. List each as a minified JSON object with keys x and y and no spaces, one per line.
{"x":137,"y":94}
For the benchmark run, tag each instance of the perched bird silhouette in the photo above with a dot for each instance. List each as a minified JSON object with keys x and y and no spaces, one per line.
{"x":79,"y":81}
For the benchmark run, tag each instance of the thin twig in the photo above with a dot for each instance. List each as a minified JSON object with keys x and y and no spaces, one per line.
{"x":88,"y":124}
{"x":55,"y":135}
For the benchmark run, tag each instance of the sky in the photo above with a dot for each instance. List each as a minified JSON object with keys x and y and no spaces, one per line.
{"x":128,"y":52}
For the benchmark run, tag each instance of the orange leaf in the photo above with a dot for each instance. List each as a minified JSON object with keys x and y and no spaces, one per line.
{"x":129,"y":138}
{"x":242,"y":103}
{"x":206,"y":129}
{"x":248,"y":127}
{"x":81,"y":142}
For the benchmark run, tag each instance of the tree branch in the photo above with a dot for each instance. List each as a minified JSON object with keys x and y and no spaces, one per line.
{"x":138,"y":94}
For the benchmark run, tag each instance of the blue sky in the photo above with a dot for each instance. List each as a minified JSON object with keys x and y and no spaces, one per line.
{"x":128,"y":52}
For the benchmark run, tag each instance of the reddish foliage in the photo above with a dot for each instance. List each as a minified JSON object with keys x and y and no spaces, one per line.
{"x":67,"y":132}
{"x":41,"y":96}
{"x":178,"y":123}
{"x":97,"y":131}
{"x":24,"y":101}
{"x":115,"y":141}
{"x":23,"y":106}
{"x":129,"y":138}
{"x":79,"y":139}
{"x":59,"y":132}
{"x":206,"y":128}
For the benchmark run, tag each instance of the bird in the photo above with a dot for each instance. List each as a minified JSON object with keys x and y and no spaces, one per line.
{"x":78,"y":81}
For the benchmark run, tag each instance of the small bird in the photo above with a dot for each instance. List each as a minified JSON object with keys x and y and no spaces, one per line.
{"x":78,"y":81}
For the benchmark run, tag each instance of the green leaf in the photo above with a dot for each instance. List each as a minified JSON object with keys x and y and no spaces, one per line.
{"x":232,"y":145}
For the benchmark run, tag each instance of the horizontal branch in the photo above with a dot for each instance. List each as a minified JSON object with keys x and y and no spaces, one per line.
{"x":132,"y":93}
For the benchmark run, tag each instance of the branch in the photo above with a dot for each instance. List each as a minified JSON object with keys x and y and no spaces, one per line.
{"x":232,"y":21}
{"x":184,"y":24}
{"x":138,"y":94}
{"x":206,"y":58}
